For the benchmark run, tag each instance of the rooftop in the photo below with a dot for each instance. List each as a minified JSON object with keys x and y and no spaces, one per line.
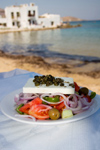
{"x":23,"y":5}
{"x":47,"y":15}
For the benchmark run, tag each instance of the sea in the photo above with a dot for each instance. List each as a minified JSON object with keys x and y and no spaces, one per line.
{"x":81,"y":43}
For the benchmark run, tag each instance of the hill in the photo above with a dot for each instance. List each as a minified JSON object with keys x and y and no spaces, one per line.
{"x":69,"y":19}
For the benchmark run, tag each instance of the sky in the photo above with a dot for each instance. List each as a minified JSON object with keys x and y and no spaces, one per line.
{"x":83,"y":9}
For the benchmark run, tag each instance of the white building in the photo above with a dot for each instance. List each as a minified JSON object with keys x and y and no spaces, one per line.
{"x":26,"y":16}
{"x":49,"y":20}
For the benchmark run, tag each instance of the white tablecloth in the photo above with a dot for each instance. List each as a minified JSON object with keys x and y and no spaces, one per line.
{"x":80,"y":135}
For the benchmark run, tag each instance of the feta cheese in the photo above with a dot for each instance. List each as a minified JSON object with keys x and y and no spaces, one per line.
{"x":66,"y":89}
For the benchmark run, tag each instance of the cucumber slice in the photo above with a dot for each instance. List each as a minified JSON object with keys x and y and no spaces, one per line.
{"x":67,"y":114}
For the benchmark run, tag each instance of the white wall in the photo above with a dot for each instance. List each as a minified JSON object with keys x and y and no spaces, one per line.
{"x":2,"y":22}
{"x":23,"y":19}
{"x":8,"y":11}
{"x":47,"y":21}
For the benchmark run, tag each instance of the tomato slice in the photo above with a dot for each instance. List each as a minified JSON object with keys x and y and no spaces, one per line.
{"x":60,"y":106}
{"x":89,"y":98}
{"x":39,"y":111}
{"x":27,"y":106}
{"x":76,"y":87}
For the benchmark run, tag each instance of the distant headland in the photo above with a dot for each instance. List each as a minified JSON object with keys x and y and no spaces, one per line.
{"x":70,"y":18}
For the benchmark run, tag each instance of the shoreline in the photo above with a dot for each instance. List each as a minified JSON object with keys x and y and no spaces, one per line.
{"x":67,"y":25}
{"x":84,"y":73}
{"x":24,"y":30}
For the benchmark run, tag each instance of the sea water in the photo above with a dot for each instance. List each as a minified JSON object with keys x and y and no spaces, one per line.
{"x":81,"y":42}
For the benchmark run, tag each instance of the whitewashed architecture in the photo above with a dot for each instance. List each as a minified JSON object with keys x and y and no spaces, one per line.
{"x":49,"y":20}
{"x":26,"y":16}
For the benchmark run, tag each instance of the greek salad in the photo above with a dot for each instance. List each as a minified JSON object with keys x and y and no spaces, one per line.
{"x":53,"y":106}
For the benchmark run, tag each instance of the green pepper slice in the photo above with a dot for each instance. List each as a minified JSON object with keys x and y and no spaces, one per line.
{"x":93,"y":94}
{"x":44,"y":103}
{"x":52,"y":99}
{"x":17,"y":109}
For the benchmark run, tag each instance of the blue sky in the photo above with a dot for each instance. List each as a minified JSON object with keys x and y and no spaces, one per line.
{"x":84,"y":9}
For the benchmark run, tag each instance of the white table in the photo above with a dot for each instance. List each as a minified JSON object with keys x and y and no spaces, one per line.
{"x":80,"y":135}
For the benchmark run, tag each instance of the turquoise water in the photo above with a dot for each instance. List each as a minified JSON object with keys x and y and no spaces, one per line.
{"x":80,"y":41}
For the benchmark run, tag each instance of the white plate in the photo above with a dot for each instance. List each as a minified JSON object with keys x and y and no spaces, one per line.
{"x":8,"y":108}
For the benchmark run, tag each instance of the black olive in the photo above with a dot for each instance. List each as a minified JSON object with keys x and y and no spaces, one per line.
{"x":83,"y":90}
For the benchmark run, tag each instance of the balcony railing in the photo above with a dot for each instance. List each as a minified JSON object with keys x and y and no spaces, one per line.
{"x":31,"y":15}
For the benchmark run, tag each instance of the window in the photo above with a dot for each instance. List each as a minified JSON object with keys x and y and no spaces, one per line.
{"x":13,"y":23}
{"x":33,"y":22}
{"x":34,"y":13}
{"x":52,"y":23}
{"x":29,"y":22}
{"x":12,"y":15}
{"x":18,"y":24}
{"x":5,"y":24}
{"x":18,"y":14}
{"x":29,"y":13}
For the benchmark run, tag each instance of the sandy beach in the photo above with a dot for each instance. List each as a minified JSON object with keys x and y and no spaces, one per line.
{"x":85,"y":74}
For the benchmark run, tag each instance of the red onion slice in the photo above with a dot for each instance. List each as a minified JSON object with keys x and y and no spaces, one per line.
{"x":85,"y":108}
{"x":51,"y":95}
{"x":73,"y":102}
{"x":16,"y":98}
{"x":79,"y":107}
{"x":22,"y":98}
{"x":85,"y":102}
{"x":26,"y":116}
{"x":82,"y":110}
{"x":47,"y":107}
